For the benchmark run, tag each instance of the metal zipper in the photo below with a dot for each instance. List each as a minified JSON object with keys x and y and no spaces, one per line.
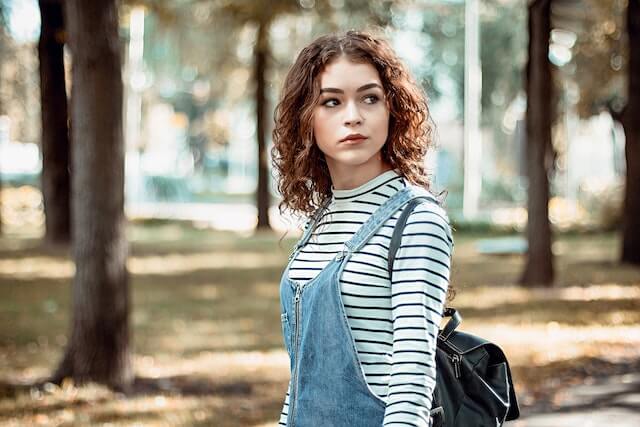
{"x":296,"y":304}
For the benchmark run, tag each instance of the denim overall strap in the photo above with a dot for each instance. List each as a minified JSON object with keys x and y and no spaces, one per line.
{"x":309,"y":226}
{"x":379,"y":217}
{"x":384,"y":212}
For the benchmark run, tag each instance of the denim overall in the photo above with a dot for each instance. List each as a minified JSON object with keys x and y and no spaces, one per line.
{"x":328,"y":386}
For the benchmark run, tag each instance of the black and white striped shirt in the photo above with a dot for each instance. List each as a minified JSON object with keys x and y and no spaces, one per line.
{"x":394,"y":321}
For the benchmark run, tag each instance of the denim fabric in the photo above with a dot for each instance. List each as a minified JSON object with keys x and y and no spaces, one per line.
{"x":328,"y":386}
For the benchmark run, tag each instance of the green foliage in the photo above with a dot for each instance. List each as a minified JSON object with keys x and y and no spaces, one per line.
{"x":3,"y":17}
{"x":208,"y":46}
{"x":601,"y":57}
{"x":3,"y":50}
{"x":504,"y":54}
{"x":442,"y":40}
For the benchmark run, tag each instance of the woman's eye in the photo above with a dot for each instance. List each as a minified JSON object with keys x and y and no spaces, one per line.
{"x":371,"y":99}
{"x":332,"y":102}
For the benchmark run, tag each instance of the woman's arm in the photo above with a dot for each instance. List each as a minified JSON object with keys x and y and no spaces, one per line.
{"x":419,"y":284}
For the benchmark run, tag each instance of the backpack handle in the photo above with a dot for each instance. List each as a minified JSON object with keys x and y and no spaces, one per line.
{"x":452,"y":324}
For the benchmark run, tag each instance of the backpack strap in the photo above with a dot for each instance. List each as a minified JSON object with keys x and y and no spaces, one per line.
{"x":396,"y":238}
{"x":399,"y":228}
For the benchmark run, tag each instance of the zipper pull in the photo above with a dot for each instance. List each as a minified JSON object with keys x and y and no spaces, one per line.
{"x":456,"y":365}
{"x":297,"y":297}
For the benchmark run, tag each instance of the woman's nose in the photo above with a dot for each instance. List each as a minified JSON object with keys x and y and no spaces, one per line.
{"x":352,"y":114}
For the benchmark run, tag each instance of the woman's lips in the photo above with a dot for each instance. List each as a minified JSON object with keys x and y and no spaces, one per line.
{"x":353,"y":141}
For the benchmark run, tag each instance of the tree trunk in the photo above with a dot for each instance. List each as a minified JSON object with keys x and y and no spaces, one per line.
{"x":539,"y":261}
{"x":631,"y":124}
{"x":262,"y":192}
{"x":55,"y":140}
{"x":98,"y":348}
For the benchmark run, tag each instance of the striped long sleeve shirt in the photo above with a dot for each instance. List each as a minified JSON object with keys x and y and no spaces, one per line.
{"x":394,"y":320}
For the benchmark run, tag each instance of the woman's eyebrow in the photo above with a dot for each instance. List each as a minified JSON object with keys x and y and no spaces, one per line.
{"x":360,"y":89}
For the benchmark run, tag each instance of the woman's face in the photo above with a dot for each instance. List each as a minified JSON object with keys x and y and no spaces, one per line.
{"x":351,"y":102}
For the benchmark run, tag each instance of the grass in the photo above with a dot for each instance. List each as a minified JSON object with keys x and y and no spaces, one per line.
{"x":206,"y":330}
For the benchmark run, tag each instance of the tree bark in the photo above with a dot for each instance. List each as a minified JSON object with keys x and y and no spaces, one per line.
{"x":262,"y":192}
{"x":55,"y":141}
{"x":98,"y":348}
{"x":539,"y":260}
{"x":631,"y":123}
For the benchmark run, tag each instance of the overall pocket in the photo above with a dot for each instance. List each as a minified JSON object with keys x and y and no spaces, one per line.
{"x":286,"y":331}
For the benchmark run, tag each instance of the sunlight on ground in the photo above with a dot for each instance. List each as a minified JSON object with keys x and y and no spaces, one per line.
{"x":264,"y":374}
{"x":193,"y":336}
{"x":182,"y":263}
{"x":541,"y":344}
{"x":53,"y":268}
{"x":486,"y":297}
{"x":272,"y":365}
{"x":95,"y":405}
{"x":39,"y":267}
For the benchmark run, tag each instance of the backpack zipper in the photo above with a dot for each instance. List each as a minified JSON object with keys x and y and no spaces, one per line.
{"x":455,"y":358}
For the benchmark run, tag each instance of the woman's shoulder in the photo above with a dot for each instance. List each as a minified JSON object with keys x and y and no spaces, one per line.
{"x":430,"y":212}
{"x":430,"y":202}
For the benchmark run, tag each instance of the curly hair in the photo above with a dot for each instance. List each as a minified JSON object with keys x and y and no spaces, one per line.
{"x":303,"y":176}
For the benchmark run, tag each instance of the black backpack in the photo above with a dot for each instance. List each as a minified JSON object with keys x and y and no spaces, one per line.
{"x":473,"y":382}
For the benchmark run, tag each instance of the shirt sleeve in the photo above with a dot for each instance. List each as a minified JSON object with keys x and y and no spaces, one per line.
{"x":285,"y":408}
{"x":419,"y":283}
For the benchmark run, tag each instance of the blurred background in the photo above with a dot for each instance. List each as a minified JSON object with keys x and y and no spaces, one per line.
{"x":542,"y":177}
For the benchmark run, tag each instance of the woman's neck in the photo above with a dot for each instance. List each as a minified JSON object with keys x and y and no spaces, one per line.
{"x":346,"y":177}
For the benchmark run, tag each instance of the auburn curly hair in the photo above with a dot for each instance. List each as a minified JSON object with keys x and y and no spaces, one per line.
{"x":304,"y":181}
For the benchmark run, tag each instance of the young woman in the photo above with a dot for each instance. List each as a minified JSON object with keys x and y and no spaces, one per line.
{"x":352,"y":129}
